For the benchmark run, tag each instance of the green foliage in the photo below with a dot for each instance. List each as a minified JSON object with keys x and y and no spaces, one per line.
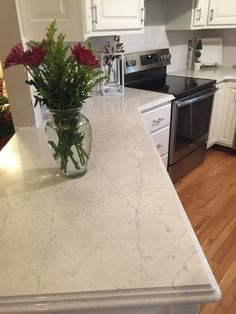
{"x":198,"y":54}
{"x":199,"y":45}
{"x":198,"y":48}
{"x":61,"y":82}
{"x":3,"y":101}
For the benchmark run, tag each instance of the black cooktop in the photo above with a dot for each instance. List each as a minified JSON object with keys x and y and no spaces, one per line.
{"x":158,"y":81}
{"x":183,"y":86}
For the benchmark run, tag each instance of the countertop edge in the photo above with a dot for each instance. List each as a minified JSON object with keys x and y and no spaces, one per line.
{"x":107,"y":300}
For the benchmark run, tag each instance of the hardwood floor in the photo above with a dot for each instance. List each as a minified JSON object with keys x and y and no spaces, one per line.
{"x":208,"y":195}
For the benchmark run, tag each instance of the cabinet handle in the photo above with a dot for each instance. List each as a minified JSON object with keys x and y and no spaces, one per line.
{"x":94,"y":14}
{"x":234,"y":101}
{"x":156,"y":122}
{"x":142,"y":15}
{"x":211,"y":14}
{"x":159,"y":146}
{"x":199,"y":11}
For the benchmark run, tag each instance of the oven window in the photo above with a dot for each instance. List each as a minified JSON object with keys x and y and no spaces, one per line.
{"x":192,"y":122}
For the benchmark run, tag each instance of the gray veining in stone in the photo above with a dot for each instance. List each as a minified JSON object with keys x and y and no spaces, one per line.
{"x":119,"y":229}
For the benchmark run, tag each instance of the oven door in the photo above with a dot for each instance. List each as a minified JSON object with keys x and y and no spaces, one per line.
{"x":190,"y":122}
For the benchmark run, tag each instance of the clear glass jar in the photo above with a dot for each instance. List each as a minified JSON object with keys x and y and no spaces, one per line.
{"x":69,"y":136}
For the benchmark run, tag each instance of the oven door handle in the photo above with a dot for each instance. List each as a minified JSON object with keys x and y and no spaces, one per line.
{"x":196,"y":99}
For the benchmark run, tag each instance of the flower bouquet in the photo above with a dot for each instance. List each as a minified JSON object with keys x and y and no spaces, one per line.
{"x":63,"y":77}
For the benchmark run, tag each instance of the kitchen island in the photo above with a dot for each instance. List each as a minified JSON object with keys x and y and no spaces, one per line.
{"x":116,"y":240}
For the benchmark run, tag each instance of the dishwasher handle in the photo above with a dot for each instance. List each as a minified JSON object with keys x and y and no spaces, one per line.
{"x":196,"y":99}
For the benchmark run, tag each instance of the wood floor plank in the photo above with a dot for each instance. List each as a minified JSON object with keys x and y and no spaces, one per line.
{"x":208,"y":195}
{"x":227,"y":302}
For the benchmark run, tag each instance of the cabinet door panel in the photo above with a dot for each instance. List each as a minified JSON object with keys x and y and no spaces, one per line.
{"x":214,"y":125}
{"x":161,"y":140}
{"x":117,"y":15}
{"x":200,"y":13}
{"x":227,"y":120}
{"x":165,"y":160}
{"x":157,"y":118}
{"x":35,"y":16}
{"x":222,"y":12}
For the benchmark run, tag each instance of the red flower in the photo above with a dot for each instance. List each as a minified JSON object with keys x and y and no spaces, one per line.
{"x":34,"y":57}
{"x":84,"y":56}
{"x":15,"y":56}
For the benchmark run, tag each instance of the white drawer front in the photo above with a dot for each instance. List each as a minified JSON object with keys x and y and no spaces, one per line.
{"x":161,"y":140}
{"x":157,"y":118}
{"x":165,"y":160}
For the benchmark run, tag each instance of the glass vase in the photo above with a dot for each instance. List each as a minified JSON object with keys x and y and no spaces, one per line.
{"x":113,"y":67}
{"x":69,"y":136}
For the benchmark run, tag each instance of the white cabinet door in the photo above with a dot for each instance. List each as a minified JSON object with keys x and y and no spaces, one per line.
{"x":35,"y":15}
{"x":117,"y":15}
{"x":227,"y":116}
{"x":157,"y":118}
{"x":200,"y":13}
{"x":165,"y":160}
{"x":217,"y":105}
{"x":222,"y":12}
{"x":161,"y":140}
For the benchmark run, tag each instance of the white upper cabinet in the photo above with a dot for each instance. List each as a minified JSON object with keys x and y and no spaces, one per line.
{"x":200,"y":14}
{"x":200,"y":11}
{"x":222,"y":12}
{"x":35,"y":15}
{"x":80,"y":19}
{"x":117,"y":15}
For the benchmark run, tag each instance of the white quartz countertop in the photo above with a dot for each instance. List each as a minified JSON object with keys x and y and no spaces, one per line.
{"x":117,"y":236}
{"x":219,"y":73}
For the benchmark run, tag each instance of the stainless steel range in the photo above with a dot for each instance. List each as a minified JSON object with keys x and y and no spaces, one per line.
{"x":191,"y":109}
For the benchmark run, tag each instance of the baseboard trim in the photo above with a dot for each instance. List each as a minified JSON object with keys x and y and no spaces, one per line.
{"x":224,"y":149}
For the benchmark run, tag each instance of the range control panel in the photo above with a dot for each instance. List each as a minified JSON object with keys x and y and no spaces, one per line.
{"x":146,"y":60}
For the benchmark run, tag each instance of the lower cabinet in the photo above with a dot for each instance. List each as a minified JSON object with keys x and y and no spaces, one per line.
{"x":215,"y":116}
{"x":161,"y":140}
{"x":165,"y":160}
{"x":227,"y":116}
{"x":157,"y":121}
{"x":223,"y":120}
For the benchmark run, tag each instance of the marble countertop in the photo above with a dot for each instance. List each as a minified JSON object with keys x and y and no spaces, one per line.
{"x":117,"y":236}
{"x":219,"y":73}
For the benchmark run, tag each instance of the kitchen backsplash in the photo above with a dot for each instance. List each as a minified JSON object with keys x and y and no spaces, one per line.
{"x":229,"y":43}
{"x":154,"y":37}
